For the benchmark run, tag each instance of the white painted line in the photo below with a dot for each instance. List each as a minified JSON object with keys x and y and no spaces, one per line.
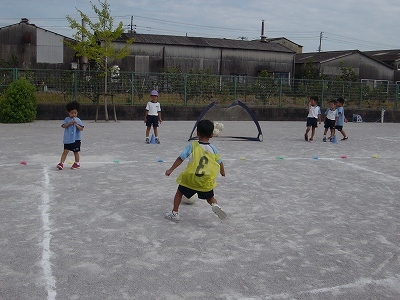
{"x":49,"y":280}
{"x":385,"y":176}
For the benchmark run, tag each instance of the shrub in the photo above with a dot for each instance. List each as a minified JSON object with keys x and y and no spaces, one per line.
{"x":18,"y":103}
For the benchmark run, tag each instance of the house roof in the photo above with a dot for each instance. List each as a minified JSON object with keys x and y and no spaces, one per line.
{"x":204,"y":42}
{"x":26,"y":22}
{"x":282,"y":38}
{"x":386,"y":56}
{"x":323,"y":57}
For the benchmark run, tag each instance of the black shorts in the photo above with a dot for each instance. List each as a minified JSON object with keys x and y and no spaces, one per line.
{"x":152,"y":120}
{"x":329,"y":124}
{"x":74,"y":147}
{"x":188,"y":193}
{"x":338,"y":128}
{"x":312,"y":122}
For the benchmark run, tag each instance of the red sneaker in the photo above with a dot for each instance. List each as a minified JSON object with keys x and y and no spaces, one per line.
{"x":60,"y":166}
{"x":75,"y":166}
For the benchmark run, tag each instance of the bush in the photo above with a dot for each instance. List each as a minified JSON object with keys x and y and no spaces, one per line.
{"x":18,"y":103}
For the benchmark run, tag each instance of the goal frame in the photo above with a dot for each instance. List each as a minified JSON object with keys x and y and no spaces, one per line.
{"x":259,"y":136}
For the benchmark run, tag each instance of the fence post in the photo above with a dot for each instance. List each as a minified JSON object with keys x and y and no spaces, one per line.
{"x":185,"y":89}
{"x":132,"y":87}
{"x":75,"y":84}
{"x":15,"y":74}
{"x":396,"y":99}
{"x":280,"y":93}
{"x":234,"y":87}
{"x":322,"y":93}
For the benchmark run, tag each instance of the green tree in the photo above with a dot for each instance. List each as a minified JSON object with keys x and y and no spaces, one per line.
{"x":96,"y":40}
{"x":18,"y":103}
{"x":348,"y":74}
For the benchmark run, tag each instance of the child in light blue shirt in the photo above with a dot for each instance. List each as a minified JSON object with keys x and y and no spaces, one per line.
{"x":72,"y":135}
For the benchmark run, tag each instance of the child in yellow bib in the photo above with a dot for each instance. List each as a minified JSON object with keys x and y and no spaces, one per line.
{"x":201,"y":172}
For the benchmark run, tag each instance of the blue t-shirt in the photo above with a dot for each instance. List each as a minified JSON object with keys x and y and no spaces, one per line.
{"x":340,"y":120}
{"x":71,"y":133}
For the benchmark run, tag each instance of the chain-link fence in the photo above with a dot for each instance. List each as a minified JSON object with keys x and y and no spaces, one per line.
{"x":129,"y":88}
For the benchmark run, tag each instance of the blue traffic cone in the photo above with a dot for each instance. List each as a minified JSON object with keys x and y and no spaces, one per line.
{"x":152,"y":139}
{"x":334,"y":140}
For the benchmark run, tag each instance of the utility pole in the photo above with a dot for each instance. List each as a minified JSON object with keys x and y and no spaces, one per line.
{"x":320,"y":41}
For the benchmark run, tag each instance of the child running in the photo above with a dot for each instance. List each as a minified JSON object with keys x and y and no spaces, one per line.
{"x":199,"y":176}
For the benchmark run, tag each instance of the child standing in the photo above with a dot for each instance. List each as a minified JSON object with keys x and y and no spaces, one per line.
{"x":340,"y":119}
{"x":72,"y":135}
{"x":152,"y":116}
{"x":330,"y":120}
{"x":313,"y":117}
{"x":200,"y":174}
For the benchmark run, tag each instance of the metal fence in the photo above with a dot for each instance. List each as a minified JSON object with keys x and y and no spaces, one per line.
{"x":129,"y":88}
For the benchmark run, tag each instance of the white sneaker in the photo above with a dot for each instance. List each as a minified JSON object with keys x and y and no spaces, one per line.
{"x":173,"y":216}
{"x":219,"y":212}
{"x":147,"y":141}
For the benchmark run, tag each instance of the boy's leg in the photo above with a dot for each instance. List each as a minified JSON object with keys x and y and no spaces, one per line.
{"x":306,"y":134}
{"x":216,"y":208}
{"x":76,"y":164}
{"x":177,"y":200}
{"x":174,"y":215}
{"x":344,"y":134}
{"x":312,"y":133}
{"x":76,"y":155}
{"x":148,"y":131}
{"x":60,"y":165}
{"x":64,"y":156}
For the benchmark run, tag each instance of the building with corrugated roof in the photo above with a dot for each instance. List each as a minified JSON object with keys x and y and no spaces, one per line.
{"x":32,"y":47}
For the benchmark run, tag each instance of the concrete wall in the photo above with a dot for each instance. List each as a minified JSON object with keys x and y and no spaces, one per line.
{"x":88,"y":112}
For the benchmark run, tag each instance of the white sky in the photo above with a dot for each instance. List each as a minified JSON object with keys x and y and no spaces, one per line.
{"x":345,"y":24}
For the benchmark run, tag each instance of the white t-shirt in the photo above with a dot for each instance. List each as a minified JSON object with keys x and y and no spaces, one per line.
{"x":153,"y":108}
{"x":314,"y":112}
{"x":331,"y":114}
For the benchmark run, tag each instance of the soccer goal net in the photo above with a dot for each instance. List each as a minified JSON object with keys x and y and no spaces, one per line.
{"x":224,"y":116}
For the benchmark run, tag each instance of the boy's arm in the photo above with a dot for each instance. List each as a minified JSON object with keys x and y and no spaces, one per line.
{"x":79,"y":127}
{"x":65,"y":125}
{"x":176,"y":164}
{"x":222,"y":169}
{"x":159,"y":117}
{"x":145,"y":115}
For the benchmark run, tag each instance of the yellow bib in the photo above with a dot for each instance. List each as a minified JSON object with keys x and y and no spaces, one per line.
{"x":201,"y":171}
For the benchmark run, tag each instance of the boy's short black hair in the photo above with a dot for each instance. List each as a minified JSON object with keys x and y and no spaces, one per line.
{"x":332,"y":101}
{"x":73,"y":105}
{"x":205,"y":128}
{"x":340,"y":99}
{"x":314,"y":98}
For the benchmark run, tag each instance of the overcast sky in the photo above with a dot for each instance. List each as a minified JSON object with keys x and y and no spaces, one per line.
{"x":344,"y":24}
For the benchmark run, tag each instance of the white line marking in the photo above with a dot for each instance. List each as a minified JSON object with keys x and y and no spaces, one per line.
{"x":386,"y":176}
{"x":49,"y":280}
{"x":391,"y":283}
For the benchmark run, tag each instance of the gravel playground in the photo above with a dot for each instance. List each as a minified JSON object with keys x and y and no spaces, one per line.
{"x":305,"y":220}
